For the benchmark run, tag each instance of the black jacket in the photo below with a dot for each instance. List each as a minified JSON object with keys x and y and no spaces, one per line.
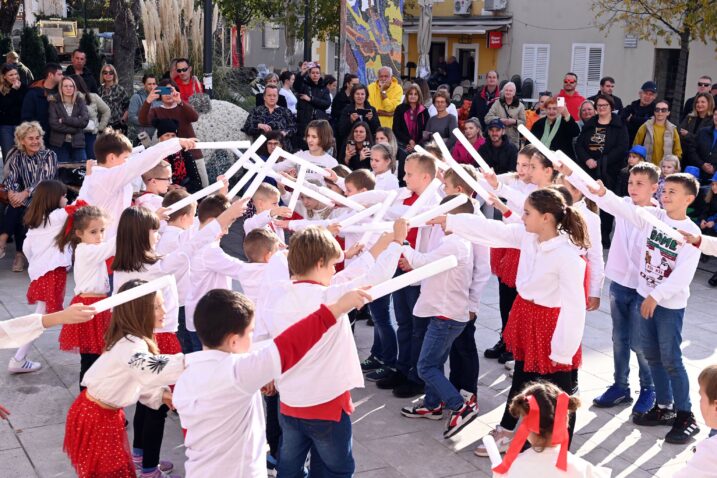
{"x":618,"y":103}
{"x":563,"y":139}
{"x":11,"y":106}
{"x":89,"y":78}
{"x":259,"y":97}
{"x":400,"y":128}
{"x":481,"y":105}
{"x":341,"y":100}
{"x":705,"y":150}
{"x":614,"y":154}
{"x":345,"y":123}
{"x":635,"y":115}
{"x":502,"y":159}
{"x":315,"y":109}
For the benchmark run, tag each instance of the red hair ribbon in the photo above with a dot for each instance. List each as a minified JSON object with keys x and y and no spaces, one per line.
{"x":531,"y":423}
{"x":71,"y":209}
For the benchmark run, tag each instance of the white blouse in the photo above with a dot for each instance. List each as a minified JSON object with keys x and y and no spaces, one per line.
{"x":291,"y":100}
{"x":20,"y":330}
{"x":42,"y":254}
{"x":90,"y":270}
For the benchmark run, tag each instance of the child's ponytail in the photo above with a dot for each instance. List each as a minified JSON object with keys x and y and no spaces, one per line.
{"x":552,"y":201}
{"x":79,"y":216}
{"x":574,"y":226}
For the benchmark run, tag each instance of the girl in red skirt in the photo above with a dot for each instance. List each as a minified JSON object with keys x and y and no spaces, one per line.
{"x":130,"y":369}
{"x":48,"y":264}
{"x":546,"y":322}
{"x":84,"y":233}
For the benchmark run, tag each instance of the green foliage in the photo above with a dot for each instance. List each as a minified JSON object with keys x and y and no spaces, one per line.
{"x":5,"y":46}
{"x":32,"y":51}
{"x":51,"y":54}
{"x":90,"y":44}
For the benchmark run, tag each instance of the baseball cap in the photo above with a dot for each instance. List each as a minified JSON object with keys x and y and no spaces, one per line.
{"x":649,"y":86}
{"x":639,"y":150}
{"x":693,"y":170}
{"x":495,"y":123}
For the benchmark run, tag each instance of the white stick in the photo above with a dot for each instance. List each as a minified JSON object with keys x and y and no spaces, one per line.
{"x":298,"y":189}
{"x":226,"y":144}
{"x":138,"y":149}
{"x":244,"y":157}
{"x":301,"y":161}
{"x":425,"y":196}
{"x":251,"y":170}
{"x":440,"y":164}
{"x":420,"y":219}
{"x":370,"y":228}
{"x":662,"y":226}
{"x":480,"y":190}
{"x":367,"y":236}
{"x":416,"y":275}
{"x":135,"y":293}
{"x":492,"y":449}
{"x":535,"y":142}
{"x":338,"y":198}
{"x":359,"y":216}
{"x":580,"y":172}
{"x":471,"y":150}
{"x":261,"y":174}
{"x":212,"y":188}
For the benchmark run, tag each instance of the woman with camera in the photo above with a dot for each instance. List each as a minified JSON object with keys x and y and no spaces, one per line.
{"x":358,"y":110}
{"x":357,"y":153}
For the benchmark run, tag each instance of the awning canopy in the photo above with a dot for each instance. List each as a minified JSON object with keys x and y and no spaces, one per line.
{"x":460,"y":25}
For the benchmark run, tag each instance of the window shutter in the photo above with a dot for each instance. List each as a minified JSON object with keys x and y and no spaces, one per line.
{"x":587,"y":64}
{"x":580,"y":67}
{"x":535,"y":65}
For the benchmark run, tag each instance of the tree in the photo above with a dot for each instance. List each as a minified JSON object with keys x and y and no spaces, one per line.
{"x":127,"y":15}
{"x":90,"y":44}
{"x":32,"y":51}
{"x":243,"y":13}
{"x":5,"y":46}
{"x":51,"y":55}
{"x":654,"y":20}
{"x":8,"y":13}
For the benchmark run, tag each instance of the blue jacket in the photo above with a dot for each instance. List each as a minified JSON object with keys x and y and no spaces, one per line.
{"x":35,"y":107}
{"x":705,"y":148}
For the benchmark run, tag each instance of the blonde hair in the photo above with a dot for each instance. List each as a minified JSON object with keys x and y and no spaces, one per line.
{"x":265,"y":191}
{"x":26,"y":128}
{"x":115,"y":80}
{"x":61,"y":95}
{"x":674,"y":159}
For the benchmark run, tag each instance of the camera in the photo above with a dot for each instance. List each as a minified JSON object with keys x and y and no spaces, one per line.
{"x":366,"y":144}
{"x":351,"y":142}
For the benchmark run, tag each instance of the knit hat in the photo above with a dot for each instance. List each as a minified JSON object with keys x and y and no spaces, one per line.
{"x":639,"y":150}
{"x":166,"y":125}
{"x":693,"y":170}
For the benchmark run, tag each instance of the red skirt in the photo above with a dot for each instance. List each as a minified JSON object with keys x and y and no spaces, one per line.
{"x":96,"y":441}
{"x":168,"y":343}
{"x":508,"y":267}
{"x":528,"y":334}
{"x":88,"y":337}
{"x":496,"y":255}
{"x":50,"y":289}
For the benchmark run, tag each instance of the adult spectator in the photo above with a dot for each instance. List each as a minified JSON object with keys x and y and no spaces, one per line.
{"x":270,"y":117}
{"x":34,"y":106}
{"x":453,"y":72}
{"x":557,"y":129}
{"x":425,"y":92}
{"x":587,"y":111}
{"x":473,"y":133}
{"x":184,"y":169}
{"x":186,"y":82}
{"x":700,"y":117}
{"x":12,"y":94}
{"x":287,"y":82}
{"x":410,"y":119}
{"x":116,"y":98}
{"x":358,"y":110}
{"x":498,"y":151}
{"x":443,"y":122}
{"x":272,"y":79}
{"x":13,"y":59}
{"x":485,"y":97}
{"x":640,"y":110}
{"x":172,"y":106}
{"x":534,"y":114}
{"x":385,"y":94}
{"x":602,"y":149}
{"x":357,"y":152}
{"x":68,"y":119}
{"x":27,"y":164}
{"x":342,"y":98}
{"x":713,"y":90}
{"x":607,"y":86}
{"x":573,"y":99}
{"x":313,"y":97}
{"x":510,"y":111}
{"x":705,"y":153}
{"x":331,"y":85}
{"x":659,"y":136}
{"x":704,"y":85}
{"x":99,"y":115}
{"x":78,"y":67}
{"x":451,"y":107}
{"x":149,"y":84}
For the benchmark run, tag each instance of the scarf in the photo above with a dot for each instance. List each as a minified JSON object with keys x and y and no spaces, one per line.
{"x":548,"y":132}
{"x":410,"y":116}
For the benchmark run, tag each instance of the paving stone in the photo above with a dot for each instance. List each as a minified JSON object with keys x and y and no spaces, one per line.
{"x":14,"y":463}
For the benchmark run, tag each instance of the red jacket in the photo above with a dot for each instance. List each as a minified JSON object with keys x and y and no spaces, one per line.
{"x":188,"y":89}
{"x":572,"y":103}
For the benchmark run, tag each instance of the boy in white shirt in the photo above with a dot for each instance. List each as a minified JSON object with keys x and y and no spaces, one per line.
{"x":156,"y":184}
{"x":266,"y":202}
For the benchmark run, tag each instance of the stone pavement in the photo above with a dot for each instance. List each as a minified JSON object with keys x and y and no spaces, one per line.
{"x":386,"y":445}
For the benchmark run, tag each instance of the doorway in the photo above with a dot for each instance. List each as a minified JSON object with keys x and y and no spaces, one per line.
{"x":666,"y":60}
{"x":436,"y":53}
{"x":467,"y":56}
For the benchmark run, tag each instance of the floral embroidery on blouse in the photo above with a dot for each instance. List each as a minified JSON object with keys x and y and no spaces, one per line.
{"x":149,"y":363}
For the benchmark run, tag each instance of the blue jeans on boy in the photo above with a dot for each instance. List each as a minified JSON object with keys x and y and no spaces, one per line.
{"x":90,"y":139}
{"x":195,"y":343}
{"x":626,"y":335}
{"x":329,"y":442}
{"x":436,"y":346}
{"x":67,"y":154}
{"x":410,"y":331}
{"x":384,"y":336}
{"x":661,"y":339}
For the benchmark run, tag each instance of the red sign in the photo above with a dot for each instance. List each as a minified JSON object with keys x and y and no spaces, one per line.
{"x":495,"y":39}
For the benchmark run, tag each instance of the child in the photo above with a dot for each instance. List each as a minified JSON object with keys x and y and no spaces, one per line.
{"x":266,"y":203}
{"x":156,"y":184}
{"x":383,"y":166}
{"x":341,"y":171}
{"x":20,"y":330}
{"x":544,"y":408}
{"x":637,"y":154}
{"x":670,"y":164}
{"x":130,"y":369}
{"x":444,"y":301}
{"x":708,"y":222}
{"x":319,"y":139}
{"x":84,"y":233}
{"x":48,"y":265}
{"x":665,"y":270}
{"x":184,"y":169}
{"x":218,"y":397}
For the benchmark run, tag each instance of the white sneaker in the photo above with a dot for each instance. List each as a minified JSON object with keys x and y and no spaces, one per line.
{"x":510,"y":365}
{"x":24,"y":366}
{"x":502,"y":439}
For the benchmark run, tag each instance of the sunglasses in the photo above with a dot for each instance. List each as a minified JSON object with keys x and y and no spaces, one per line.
{"x":661,"y":110}
{"x":182,"y":70}
{"x":703,"y":84}
{"x":108,"y":72}
{"x":570,"y":82}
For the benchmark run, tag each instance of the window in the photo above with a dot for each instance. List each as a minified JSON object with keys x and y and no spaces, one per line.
{"x":270,"y":36}
{"x":587,"y":64}
{"x":536,"y":61}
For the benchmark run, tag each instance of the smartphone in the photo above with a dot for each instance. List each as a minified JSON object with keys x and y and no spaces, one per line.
{"x":363,"y":112}
{"x":164,"y":90}
{"x":561,"y":102}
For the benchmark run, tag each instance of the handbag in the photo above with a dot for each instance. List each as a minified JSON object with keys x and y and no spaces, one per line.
{"x":200,"y":101}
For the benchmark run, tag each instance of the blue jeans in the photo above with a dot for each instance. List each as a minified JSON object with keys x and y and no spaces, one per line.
{"x":67,"y":154}
{"x":409,"y":332}
{"x":90,"y":139}
{"x":384,"y":335}
{"x":436,"y":346}
{"x":661,"y":339}
{"x":7,"y":139}
{"x":195,"y":343}
{"x":329,"y":442}
{"x":626,"y":330}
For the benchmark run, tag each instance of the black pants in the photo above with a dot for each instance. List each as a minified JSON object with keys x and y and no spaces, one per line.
{"x":273,"y":429}
{"x":86,"y":361}
{"x":185,"y":340}
{"x":506,"y":297}
{"x":606,"y":222}
{"x":11,"y":224}
{"x":464,"y":360}
{"x":566,"y":381}
{"x":148,"y":433}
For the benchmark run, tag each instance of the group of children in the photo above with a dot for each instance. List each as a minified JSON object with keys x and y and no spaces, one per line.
{"x":288,"y":337}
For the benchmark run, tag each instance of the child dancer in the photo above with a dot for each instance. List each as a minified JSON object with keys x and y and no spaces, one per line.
{"x":84,"y":233}
{"x":27,"y":328}
{"x":383,"y":166}
{"x":48,"y":265}
{"x":130,"y":369}
{"x":266,"y":202}
{"x":156,"y":184}
{"x":319,"y":139}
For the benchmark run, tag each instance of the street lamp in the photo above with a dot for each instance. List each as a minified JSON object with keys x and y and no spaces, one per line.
{"x":207,"y":56}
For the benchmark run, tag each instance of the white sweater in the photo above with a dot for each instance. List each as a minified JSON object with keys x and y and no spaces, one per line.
{"x":703,"y":464}
{"x":40,"y":250}
{"x":20,"y":330}
{"x":263,"y":220}
{"x":386,"y":181}
{"x":594,"y":253}
{"x":90,"y":268}
{"x":709,"y":245}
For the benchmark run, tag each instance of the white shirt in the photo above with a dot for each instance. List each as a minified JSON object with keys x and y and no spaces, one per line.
{"x":128,"y":372}
{"x":290,"y":99}
{"x":323,"y":161}
{"x":20,"y":330}
{"x":594,"y":253}
{"x":263,"y":220}
{"x":111,"y":188}
{"x":149,"y":200}
{"x":550,"y":273}
{"x":90,"y":269}
{"x":542,"y":464}
{"x":432,"y":111}
{"x":703,"y":463}
{"x":174,"y":238}
{"x":481,"y":270}
{"x":386,"y":181}
{"x":40,"y":249}
{"x":708,"y":245}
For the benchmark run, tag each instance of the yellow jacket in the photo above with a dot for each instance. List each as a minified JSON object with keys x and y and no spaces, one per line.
{"x":394,"y":94}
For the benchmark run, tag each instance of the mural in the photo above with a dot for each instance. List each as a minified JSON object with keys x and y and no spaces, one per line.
{"x":374,"y":31}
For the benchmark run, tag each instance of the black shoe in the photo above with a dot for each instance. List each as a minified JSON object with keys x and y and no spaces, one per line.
{"x":371,"y":364}
{"x":656,"y":416}
{"x":495,"y":351}
{"x":684,"y":428}
{"x":369,"y":322}
{"x":408,"y":389}
{"x":713,"y":280}
{"x":395,"y":379}
{"x":363,"y":313}
{"x":505,"y":357}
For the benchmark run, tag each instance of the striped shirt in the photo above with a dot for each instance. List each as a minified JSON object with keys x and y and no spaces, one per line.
{"x":26,"y":172}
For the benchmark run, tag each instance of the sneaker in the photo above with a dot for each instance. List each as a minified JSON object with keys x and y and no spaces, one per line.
{"x":502,"y":439}
{"x":495,"y":351}
{"x":370,"y":364}
{"x":614,"y":395}
{"x":421,"y":411}
{"x":510,"y":365}
{"x":393,"y":380}
{"x":379,"y":374}
{"x":2,"y":252}
{"x":24,"y":366}
{"x":712,"y":281}
{"x":656,"y":416}
{"x":506,"y":357}
{"x":459,"y":419}
{"x":157,"y":473}
{"x":408,"y":389}
{"x":645,"y":401}
{"x":684,"y":428}
{"x":165,"y":466}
